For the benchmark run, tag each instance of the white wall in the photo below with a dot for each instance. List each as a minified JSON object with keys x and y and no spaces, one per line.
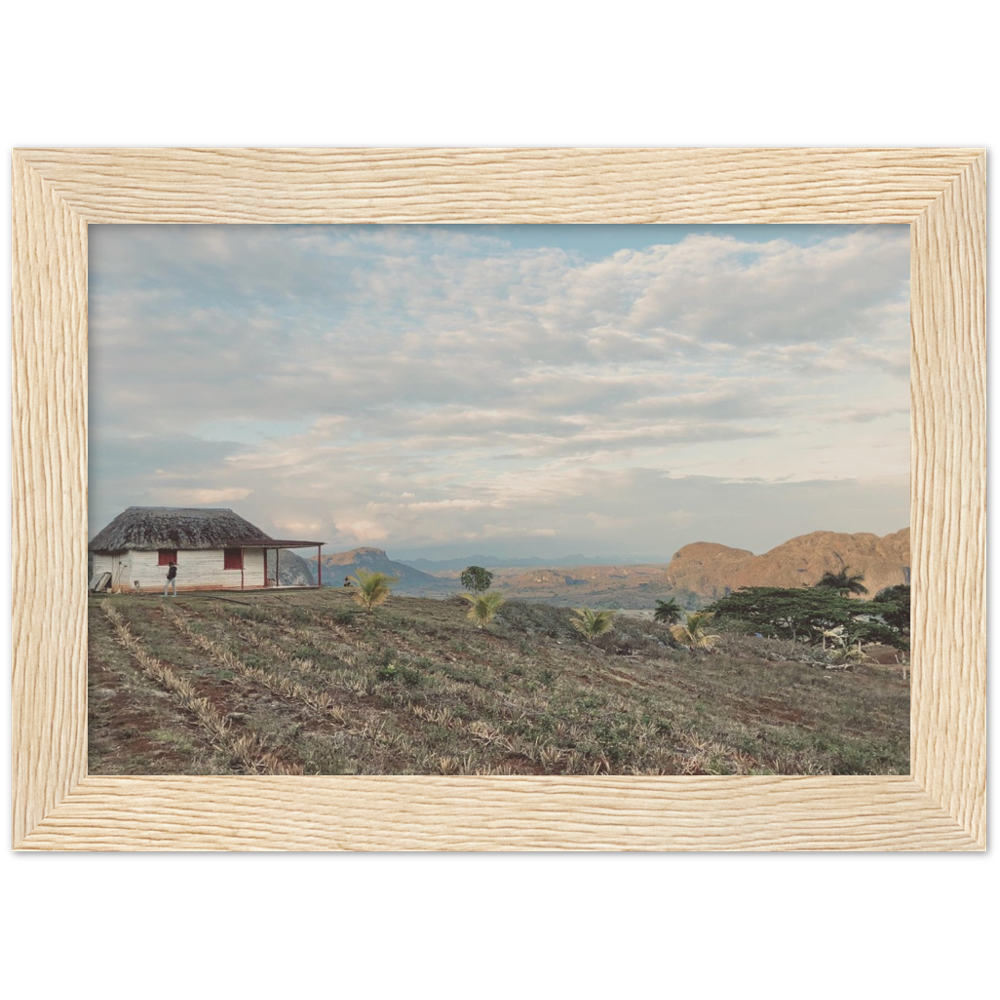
{"x":117,"y":565}
{"x":201,"y":569}
{"x":253,"y":567}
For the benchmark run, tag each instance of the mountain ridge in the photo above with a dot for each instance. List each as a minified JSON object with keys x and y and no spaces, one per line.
{"x":712,"y":570}
{"x":698,"y":573}
{"x":339,"y":565}
{"x":503,"y":562}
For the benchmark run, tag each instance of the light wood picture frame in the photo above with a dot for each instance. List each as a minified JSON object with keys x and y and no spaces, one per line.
{"x":939,"y":192}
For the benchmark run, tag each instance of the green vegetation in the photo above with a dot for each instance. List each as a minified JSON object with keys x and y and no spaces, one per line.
{"x":810,"y":612}
{"x":843,"y":583}
{"x":668,"y":612}
{"x":691,"y":632}
{"x":484,"y":607}
{"x":592,"y":623}
{"x":476,"y":579}
{"x":304,"y":682}
{"x":895,"y":603}
{"x":373,"y":588}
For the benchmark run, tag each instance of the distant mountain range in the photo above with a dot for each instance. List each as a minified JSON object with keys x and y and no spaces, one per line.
{"x":498,"y":562}
{"x":410,"y":581}
{"x":698,"y":574}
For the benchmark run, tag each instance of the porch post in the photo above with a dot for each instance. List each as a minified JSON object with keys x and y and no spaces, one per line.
{"x":241,"y":568}
{"x":319,"y":567}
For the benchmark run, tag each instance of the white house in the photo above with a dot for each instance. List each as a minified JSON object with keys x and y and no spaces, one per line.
{"x":214,"y":549}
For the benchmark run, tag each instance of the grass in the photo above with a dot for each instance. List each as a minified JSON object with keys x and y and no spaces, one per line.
{"x":306,"y":682}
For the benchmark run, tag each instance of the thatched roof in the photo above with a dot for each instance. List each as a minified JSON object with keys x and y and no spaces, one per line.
{"x":149,"y":528}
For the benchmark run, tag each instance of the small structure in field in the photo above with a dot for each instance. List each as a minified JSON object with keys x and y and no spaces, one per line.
{"x":214,"y":549}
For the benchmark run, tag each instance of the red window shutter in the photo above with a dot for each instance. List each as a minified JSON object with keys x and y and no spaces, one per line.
{"x":167,"y":556}
{"x":233,"y":559}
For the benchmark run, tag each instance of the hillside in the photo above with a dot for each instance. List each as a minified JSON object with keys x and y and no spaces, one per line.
{"x":712,"y":570}
{"x":304,"y":682}
{"x":444,"y":567}
{"x":703,"y":571}
{"x":410,"y":581}
{"x":293,"y":570}
{"x":629,"y":587}
{"x":698,"y":574}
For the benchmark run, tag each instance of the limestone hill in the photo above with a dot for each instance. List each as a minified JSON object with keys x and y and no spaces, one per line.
{"x":711,"y":570}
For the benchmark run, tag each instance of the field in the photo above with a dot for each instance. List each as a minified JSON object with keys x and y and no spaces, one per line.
{"x":305,"y":682}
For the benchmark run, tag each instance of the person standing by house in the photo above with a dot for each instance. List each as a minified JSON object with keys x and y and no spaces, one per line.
{"x":171,"y":578}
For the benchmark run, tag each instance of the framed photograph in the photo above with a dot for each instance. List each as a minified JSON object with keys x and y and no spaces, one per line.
{"x":58,"y":192}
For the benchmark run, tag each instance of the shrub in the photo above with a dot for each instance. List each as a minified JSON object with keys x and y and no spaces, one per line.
{"x":373,"y":588}
{"x":484,"y":607}
{"x":691,"y":632}
{"x":533,"y":619}
{"x":592,"y":624}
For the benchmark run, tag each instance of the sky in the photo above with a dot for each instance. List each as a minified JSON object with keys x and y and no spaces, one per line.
{"x":541,"y":390}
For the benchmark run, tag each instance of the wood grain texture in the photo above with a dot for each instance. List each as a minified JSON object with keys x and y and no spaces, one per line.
{"x":517,"y":813}
{"x":49,"y":485}
{"x":948,"y":498}
{"x":495,"y":185}
{"x":941,"y":807}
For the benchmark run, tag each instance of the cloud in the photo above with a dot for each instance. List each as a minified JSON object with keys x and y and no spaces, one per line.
{"x":399,"y":383}
{"x":457,"y":504}
{"x":298,"y":528}
{"x":200,"y":497}
{"x":361,"y":530}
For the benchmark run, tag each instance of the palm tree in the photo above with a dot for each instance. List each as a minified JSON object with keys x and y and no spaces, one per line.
{"x":484,"y":607}
{"x":373,"y":588}
{"x":592,"y":623}
{"x":668,"y":612}
{"x":691,"y":633}
{"x":843,"y":582}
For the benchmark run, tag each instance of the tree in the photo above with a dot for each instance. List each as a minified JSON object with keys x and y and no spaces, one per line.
{"x":484,"y":607}
{"x":668,"y":612}
{"x":843,"y":582}
{"x":373,"y":588}
{"x":809,"y":613}
{"x":896,"y":601}
{"x":592,"y":623}
{"x":871,"y":628}
{"x":476,"y":579}
{"x":802,"y":613}
{"x":691,"y":632}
